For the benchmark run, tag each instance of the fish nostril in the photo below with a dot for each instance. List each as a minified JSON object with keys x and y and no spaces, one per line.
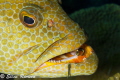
{"x":50,"y":23}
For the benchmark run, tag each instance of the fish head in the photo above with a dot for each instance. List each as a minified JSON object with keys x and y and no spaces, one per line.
{"x":34,"y":32}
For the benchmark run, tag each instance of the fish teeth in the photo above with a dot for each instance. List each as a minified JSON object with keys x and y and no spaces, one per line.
{"x":54,"y":61}
{"x":50,"y":60}
{"x":63,"y":56}
{"x":74,"y":52}
{"x":58,"y":61}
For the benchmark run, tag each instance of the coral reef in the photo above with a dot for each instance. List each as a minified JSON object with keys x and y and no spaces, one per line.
{"x":115,"y":77}
{"x":72,"y":5}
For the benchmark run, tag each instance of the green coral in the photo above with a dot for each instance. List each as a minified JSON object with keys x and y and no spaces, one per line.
{"x":115,"y":77}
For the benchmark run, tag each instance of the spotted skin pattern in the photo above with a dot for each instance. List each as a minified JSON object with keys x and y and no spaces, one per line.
{"x":24,"y":47}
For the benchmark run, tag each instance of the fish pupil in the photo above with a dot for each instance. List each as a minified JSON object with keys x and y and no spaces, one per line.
{"x":28,"y":20}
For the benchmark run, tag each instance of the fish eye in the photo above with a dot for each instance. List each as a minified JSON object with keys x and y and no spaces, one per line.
{"x":28,"y":20}
{"x":30,"y":17}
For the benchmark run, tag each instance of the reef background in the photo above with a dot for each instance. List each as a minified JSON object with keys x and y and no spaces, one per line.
{"x":71,"y":6}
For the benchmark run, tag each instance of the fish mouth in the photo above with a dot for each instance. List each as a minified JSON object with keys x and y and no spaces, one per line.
{"x":77,"y":56}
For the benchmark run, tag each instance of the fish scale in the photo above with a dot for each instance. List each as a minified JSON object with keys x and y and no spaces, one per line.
{"x":33,"y":32}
